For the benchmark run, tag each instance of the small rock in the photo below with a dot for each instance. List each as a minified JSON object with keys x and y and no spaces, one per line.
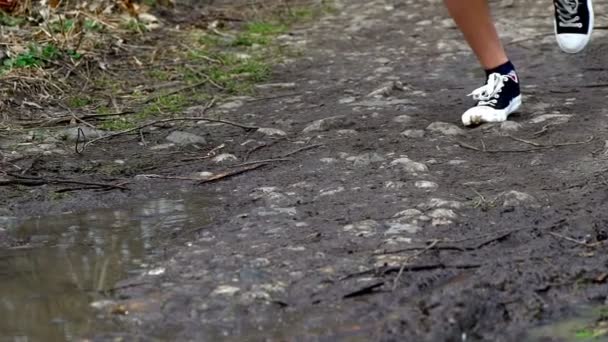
{"x":440,"y":222}
{"x":413,"y":133}
{"x":445,"y":128}
{"x":387,"y":89}
{"x":161,"y":147}
{"x":231,"y":105}
{"x":410,"y":165}
{"x":396,"y":228}
{"x":72,"y":134}
{"x":364,"y":228}
{"x":456,"y":162}
{"x":426,"y":185}
{"x":271,"y":131}
{"x":510,"y":126}
{"x":331,"y":192}
{"x":408,"y":213}
{"x":346,"y":132}
{"x":443,"y":213}
{"x":185,"y":138}
{"x":365,"y":159}
{"x":267,"y":86}
{"x":403,"y":119}
{"x":439,"y":203}
{"x":333,"y":122}
{"x":346,"y":100}
{"x":328,"y":160}
{"x":224,"y":157}
{"x":226,"y":290}
{"x":156,"y":271}
{"x":515,"y":198}
{"x":394,"y":185}
{"x":558,"y":118}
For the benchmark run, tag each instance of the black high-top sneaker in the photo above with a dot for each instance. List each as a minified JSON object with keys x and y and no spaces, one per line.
{"x":573,"y":24}
{"x":496,"y":100}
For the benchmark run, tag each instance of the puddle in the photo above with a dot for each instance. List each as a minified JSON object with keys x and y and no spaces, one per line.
{"x":590,"y":325}
{"x":47,"y":285}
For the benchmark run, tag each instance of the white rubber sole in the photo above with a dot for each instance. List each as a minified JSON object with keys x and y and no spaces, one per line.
{"x":482,"y":114}
{"x":575,"y":43}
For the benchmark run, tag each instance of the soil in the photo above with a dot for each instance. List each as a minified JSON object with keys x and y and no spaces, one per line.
{"x":386,"y":219}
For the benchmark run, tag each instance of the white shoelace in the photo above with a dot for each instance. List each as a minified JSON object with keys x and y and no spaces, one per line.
{"x":566,"y":12}
{"x":488,"y":94}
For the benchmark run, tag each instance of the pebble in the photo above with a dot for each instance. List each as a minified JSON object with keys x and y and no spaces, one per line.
{"x":185,"y":138}
{"x":439,"y":203}
{"x":510,"y":126}
{"x":363,"y":228}
{"x":516,"y":198}
{"x":410,"y":165}
{"x":271,"y":131}
{"x":413,"y":133}
{"x":426,"y":185}
{"x":332,"y":122}
{"x":224,"y":157}
{"x":558,"y":118}
{"x":71,"y":133}
{"x":365,"y":159}
{"x":226,"y":290}
{"x":443,"y":213}
{"x":403,"y":119}
{"x":396,"y":228}
{"x":445,"y":128}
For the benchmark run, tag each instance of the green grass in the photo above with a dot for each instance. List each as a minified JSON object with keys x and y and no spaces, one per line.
{"x":78,"y":101}
{"x":8,"y":20}
{"x":37,"y":56}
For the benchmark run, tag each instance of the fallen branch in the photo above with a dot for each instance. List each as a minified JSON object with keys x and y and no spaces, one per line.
{"x":229,"y":174}
{"x":245,"y":127}
{"x":32,"y":181}
{"x":405,"y":263}
{"x":537,"y":146}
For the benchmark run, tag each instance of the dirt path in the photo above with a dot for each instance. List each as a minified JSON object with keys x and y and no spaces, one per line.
{"x":378,"y":217}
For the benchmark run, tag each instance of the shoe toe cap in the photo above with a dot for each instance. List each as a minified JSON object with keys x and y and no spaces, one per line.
{"x":572,"y":42}
{"x":480,"y":114}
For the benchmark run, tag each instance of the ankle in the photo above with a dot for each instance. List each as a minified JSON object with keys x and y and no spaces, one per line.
{"x":503,"y":69}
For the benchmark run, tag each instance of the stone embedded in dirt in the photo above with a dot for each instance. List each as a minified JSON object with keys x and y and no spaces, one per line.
{"x":443,"y":213}
{"x":331,"y":191}
{"x":328,"y":160}
{"x":445,"y":128}
{"x":441,"y":222}
{"x":382,"y":102}
{"x":363,"y":228}
{"x":457,"y":162}
{"x":396,"y":228}
{"x":162,"y":146}
{"x":426,"y":185}
{"x":347,"y":132}
{"x":226,"y":290}
{"x":413,"y":133}
{"x":288,"y":85}
{"x":394,"y":185}
{"x":408,"y":213}
{"x":185,"y":138}
{"x":387,"y":89}
{"x":330,"y":123}
{"x":224,"y":157}
{"x":409,"y":165}
{"x":439,"y":203}
{"x":347,"y":100}
{"x":231,"y":105}
{"x":510,"y":126}
{"x":271,"y":131}
{"x":556,"y":118}
{"x":518,"y":199}
{"x":365,"y":159}
{"x":86,"y":133}
{"x":403,"y":119}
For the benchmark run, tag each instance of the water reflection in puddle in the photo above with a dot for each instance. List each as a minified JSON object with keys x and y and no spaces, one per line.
{"x":46,"y":286}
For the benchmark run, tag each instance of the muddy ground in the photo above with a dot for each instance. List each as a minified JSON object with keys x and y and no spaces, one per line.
{"x":374,"y":215}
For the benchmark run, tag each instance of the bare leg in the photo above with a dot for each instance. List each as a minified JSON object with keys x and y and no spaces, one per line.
{"x":475,"y":21}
